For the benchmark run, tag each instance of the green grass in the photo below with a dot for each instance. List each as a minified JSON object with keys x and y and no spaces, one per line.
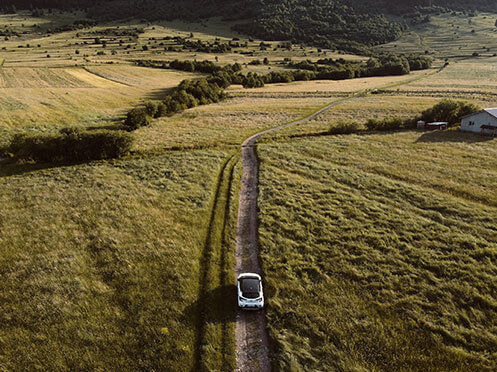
{"x":100,"y":263}
{"x":379,"y":252}
{"x":216,"y":344}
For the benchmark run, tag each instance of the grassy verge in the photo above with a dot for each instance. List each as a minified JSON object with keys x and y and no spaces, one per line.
{"x":374,"y":259}
{"x":100,"y":262}
{"x":216,"y":343}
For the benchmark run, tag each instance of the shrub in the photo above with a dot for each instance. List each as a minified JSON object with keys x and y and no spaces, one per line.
{"x":151,"y":108}
{"x":386,"y":124}
{"x":71,"y":144}
{"x":161,"y":110}
{"x":449,"y":110}
{"x":343,"y":127}
{"x":136,"y":118}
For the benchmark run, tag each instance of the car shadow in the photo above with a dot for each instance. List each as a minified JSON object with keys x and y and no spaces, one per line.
{"x":453,"y":136}
{"x":215,"y":306}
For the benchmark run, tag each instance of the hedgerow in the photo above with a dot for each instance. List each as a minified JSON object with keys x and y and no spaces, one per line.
{"x":71,"y":144}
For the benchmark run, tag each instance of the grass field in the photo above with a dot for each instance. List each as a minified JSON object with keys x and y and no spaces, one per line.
{"x":453,"y":36}
{"x":463,"y":76}
{"x":101,"y":262}
{"x":379,"y":251}
{"x":127,"y":264}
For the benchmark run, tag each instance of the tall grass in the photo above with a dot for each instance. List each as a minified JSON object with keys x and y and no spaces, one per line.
{"x":100,"y":263}
{"x":375,"y":261}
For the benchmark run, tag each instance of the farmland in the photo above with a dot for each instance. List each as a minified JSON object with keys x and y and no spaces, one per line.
{"x":378,"y":250}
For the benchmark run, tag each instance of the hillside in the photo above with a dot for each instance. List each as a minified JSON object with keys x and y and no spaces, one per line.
{"x":351,"y":25}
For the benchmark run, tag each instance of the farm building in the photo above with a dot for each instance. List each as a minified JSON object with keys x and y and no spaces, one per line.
{"x":484,"y":122}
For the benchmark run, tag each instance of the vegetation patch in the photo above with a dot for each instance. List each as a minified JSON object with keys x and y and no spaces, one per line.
{"x":71,"y":144}
{"x":396,"y":235}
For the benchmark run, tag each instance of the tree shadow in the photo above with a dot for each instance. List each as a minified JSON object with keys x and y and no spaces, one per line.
{"x":115,"y":126}
{"x":216,"y":306}
{"x":453,"y":136}
{"x":158,"y":94}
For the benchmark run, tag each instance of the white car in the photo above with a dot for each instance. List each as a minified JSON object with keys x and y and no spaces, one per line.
{"x":250,"y":294}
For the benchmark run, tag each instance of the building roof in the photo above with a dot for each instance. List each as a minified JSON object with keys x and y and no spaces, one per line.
{"x":490,"y":111}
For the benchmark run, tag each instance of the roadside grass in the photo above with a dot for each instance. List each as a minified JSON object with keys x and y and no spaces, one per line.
{"x":379,"y":252}
{"x":216,"y":343}
{"x":226,"y":123}
{"x":359,"y":110}
{"x":100,"y":263}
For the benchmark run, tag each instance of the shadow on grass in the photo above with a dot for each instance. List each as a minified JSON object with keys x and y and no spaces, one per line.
{"x":453,"y":136}
{"x":11,"y":167}
{"x":116,"y":126}
{"x":158,"y":94}
{"x":215,"y":306}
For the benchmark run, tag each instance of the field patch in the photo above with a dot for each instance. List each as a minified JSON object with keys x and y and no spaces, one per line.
{"x":101,"y":262}
{"x":389,"y":263}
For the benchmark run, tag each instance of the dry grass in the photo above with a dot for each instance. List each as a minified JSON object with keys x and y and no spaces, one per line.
{"x":225,"y":123}
{"x":471,"y":75}
{"x":379,"y":252}
{"x":449,"y":36}
{"x":44,"y":99}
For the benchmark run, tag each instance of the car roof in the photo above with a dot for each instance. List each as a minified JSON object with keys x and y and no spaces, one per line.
{"x":249,"y":275}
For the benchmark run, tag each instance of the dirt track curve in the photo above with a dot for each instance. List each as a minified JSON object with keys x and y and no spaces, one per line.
{"x":252,"y":341}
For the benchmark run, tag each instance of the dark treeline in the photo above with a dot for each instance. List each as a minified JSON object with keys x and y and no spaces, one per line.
{"x":71,"y":145}
{"x":352,"y":25}
{"x":383,"y":65}
{"x":189,"y":94}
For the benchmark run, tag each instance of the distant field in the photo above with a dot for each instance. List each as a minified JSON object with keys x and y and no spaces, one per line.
{"x":44,"y":99}
{"x":470,"y":75}
{"x":226,"y":123}
{"x":449,"y":36}
{"x":100,"y":262}
{"x":379,"y":251}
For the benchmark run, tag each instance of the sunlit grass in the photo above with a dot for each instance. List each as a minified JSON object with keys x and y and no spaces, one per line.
{"x":379,"y":251}
{"x":100,"y":262}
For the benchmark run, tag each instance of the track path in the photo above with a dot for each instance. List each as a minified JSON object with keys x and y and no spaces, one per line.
{"x":251,"y":335}
{"x":252,"y":341}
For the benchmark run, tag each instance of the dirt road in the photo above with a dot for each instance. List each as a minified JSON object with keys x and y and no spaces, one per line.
{"x":251,"y":335}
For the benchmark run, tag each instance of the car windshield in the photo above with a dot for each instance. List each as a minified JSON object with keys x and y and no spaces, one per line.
{"x":249,"y":287}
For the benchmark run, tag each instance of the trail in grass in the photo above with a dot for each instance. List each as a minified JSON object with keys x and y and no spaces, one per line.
{"x":252,"y":340}
{"x":251,"y":335}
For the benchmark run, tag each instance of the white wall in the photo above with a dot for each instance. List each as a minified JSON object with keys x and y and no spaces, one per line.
{"x":482,"y":118}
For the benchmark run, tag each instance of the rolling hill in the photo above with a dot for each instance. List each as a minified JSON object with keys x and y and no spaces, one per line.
{"x":351,"y":25}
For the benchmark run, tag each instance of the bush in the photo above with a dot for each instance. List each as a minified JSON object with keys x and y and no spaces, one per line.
{"x":386,"y":124}
{"x":71,"y":144}
{"x":343,"y":127}
{"x":449,"y":110}
{"x":161,"y":110}
{"x":151,"y":108}
{"x":136,"y":118}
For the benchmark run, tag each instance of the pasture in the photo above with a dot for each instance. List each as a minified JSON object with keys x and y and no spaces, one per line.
{"x":379,"y":251}
{"x":103,"y":262}
{"x":449,"y":36}
{"x":100,"y":262}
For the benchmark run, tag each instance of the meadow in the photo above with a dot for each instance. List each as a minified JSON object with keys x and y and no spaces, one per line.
{"x":127,"y":264}
{"x":379,"y":251}
{"x":449,"y":36}
{"x":101,"y":262}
